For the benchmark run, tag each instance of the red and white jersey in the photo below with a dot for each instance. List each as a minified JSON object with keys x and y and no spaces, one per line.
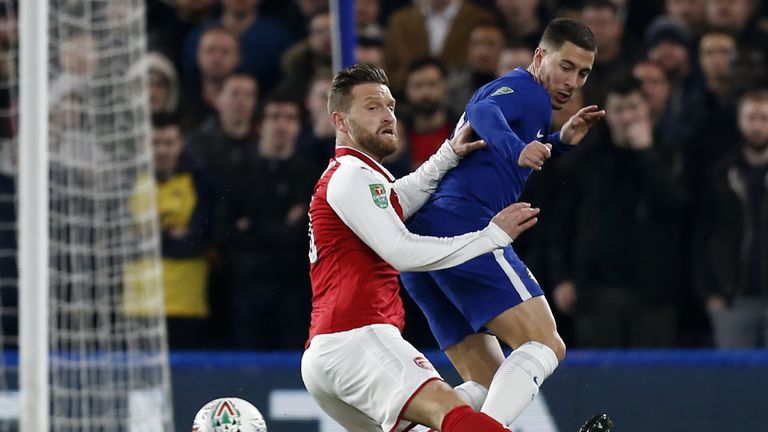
{"x":358,"y":241}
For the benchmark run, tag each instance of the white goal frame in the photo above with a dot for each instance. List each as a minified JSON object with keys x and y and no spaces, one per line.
{"x":33,"y":216}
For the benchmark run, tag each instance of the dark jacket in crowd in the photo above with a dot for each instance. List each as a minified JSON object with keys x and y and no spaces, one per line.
{"x":730,"y":244}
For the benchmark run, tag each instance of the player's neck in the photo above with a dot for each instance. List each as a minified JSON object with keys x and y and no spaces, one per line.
{"x":532,"y":70}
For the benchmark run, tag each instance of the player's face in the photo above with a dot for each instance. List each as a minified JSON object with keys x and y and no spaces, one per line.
{"x":371,"y":121}
{"x":753,"y":123}
{"x":562,"y":71}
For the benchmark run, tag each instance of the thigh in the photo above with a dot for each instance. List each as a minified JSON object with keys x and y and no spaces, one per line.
{"x":531,"y":320}
{"x":372,"y":369}
{"x":485,"y":287}
{"x":446,"y":321}
{"x":321,"y":388}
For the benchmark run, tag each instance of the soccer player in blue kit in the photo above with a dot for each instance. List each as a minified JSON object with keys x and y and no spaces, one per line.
{"x":496,"y":291}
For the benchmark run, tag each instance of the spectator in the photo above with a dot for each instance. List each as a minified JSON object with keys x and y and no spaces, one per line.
{"x":163,"y":84}
{"x":428,"y":121}
{"x":601,"y":254}
{"x":437,"y":28}
{"x":656,"y":88}
{"x":730,"y":246}
{"x":318,"y":140}
{"x":262,"y":228}
{"x":218,"y":55}
{"x":261,"y":38}
{"x":668,"y":46}
{"x":523,"y":20}
{"x":717,"y":51}
{"x":185,"y":208}
{"x":223,"y":141}
{"x":370,"y":50}
{"x":485,"y":44}
{"x":515,"y":55}
{"x":169,"y":22}
{"x":307,"y":57}
{"x":367,"y":19}
{"x":614,"y":50}
{"x":686,"y":14}
{"x":739,"y":18}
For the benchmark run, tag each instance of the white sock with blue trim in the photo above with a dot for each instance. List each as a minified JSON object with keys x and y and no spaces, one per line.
{"x":517,"y":381}
{"x":473,"y":394}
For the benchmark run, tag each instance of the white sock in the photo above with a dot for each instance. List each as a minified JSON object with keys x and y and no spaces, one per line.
{"x":473,"y":394}
{"x":517,"y":381}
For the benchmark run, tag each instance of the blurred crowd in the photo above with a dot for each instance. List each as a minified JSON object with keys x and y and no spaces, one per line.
{"x":653,"y":233}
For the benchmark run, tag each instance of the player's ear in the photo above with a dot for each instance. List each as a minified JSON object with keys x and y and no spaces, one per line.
{"x":538,"y":56}
{"x":339,"y":121}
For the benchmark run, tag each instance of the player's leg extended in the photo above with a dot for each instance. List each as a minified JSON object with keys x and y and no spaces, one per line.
{"x":498,"y":292}
{"x":476,"y":358}
{"x":529,"y":328}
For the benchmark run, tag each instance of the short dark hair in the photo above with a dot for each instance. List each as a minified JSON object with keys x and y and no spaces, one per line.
{"x":163,"y":120}
{"x":624,"y":85}
{"x":348,"y":78}
{"x":753,"y":95}
{"x":283,"y":94}
{"x":562,"y":30}
{"x":422,"y":62}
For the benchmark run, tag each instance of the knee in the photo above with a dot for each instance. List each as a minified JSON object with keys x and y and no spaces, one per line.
{"x":556,"y":344}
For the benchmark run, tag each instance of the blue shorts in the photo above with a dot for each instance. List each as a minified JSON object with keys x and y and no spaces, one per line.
{"x":460,"y":301}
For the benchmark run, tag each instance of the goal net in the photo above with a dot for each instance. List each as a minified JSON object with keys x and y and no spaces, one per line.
{"x":108,"y":359}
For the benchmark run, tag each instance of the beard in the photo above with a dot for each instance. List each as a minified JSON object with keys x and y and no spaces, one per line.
{"x":374,"y":143}
{"x":756,"y":144}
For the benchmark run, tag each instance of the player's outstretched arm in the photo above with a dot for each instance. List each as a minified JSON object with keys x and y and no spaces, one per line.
{"x":362,"y":202}
{"x":574,"y":130}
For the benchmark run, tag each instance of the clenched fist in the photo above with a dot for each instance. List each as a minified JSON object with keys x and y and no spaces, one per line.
{"x":534,"y":155}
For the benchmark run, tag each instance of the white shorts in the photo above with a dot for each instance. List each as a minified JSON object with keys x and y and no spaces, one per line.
{"x":364,"y":378}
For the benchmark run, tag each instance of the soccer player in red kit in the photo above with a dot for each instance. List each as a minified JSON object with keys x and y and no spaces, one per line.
{"x":357,"y":366}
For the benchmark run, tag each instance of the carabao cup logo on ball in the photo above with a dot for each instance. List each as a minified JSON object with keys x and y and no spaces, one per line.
{"x":229,"y":415}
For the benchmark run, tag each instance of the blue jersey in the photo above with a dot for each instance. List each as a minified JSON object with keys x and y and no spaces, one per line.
{"x":507,"y":113}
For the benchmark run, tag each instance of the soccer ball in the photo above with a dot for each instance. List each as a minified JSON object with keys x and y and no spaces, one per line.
{"x":229,"y":414}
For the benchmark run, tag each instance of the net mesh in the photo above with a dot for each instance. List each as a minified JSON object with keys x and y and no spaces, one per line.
{"x":109,"y":360}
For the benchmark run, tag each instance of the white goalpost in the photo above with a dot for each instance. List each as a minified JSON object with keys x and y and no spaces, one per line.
{"x":74,"y":147}
{"x":33,"y":215}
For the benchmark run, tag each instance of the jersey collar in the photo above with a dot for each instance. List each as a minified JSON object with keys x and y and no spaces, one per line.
{"x":349,"y":151}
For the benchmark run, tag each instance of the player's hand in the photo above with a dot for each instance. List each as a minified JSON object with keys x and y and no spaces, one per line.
{"x":517,"y":218}
{"x":534,"y":155}
{"x":574,"y":130}
{"x":462,"y":143}
{"x":564,"y":296}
